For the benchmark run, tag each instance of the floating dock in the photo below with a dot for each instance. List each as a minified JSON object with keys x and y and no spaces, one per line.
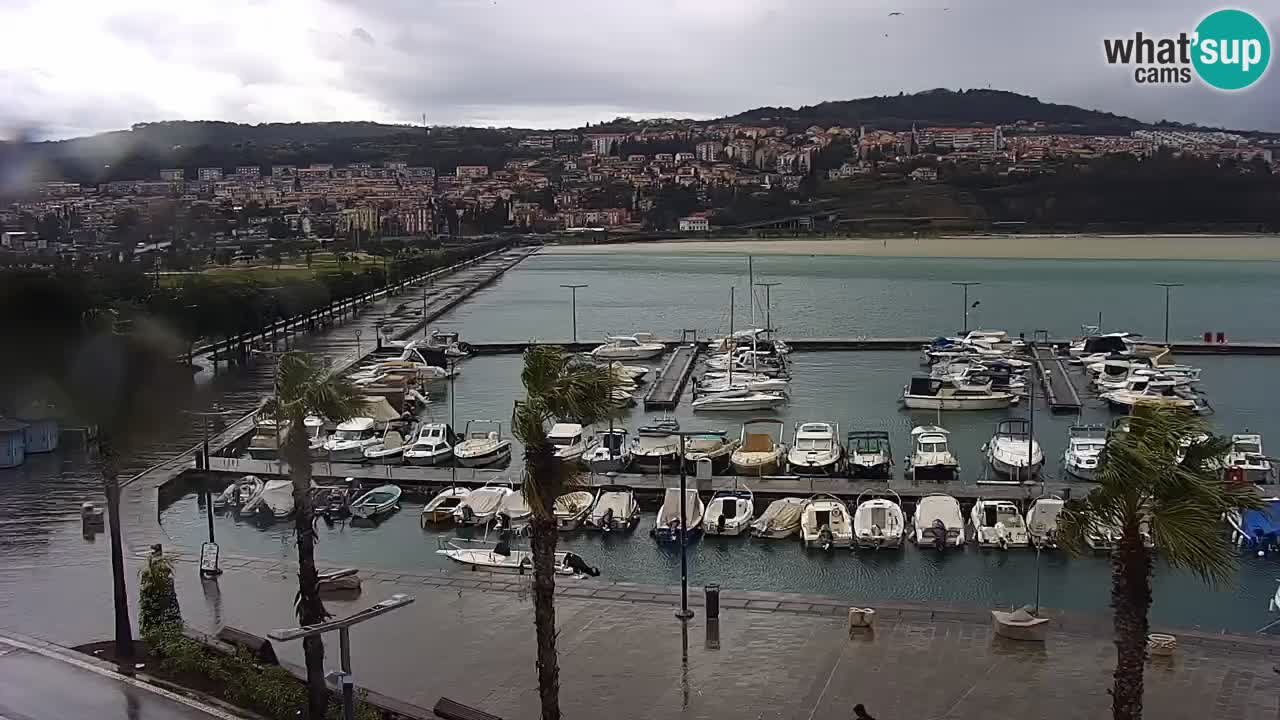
{"x":1058,"y":387}
{"x":665,"y":392}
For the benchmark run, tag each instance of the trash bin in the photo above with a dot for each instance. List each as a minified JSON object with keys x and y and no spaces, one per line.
{"x":713,"y":600}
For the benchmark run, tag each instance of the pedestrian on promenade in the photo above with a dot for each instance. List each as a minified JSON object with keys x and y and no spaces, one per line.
{"x":860,"y":713}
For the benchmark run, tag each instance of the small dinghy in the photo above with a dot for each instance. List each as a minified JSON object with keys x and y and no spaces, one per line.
{"x":571,"y":509}
{"x":499,"y":557}
{"x":238,"y":493}
{"x":615,"y":508}
{"x":440,"y":508}
{"x":780,"y":520}
{"x":379,"y":501}
{"x":389,"y":451}
{"x":274,"y":500}
{"x":729,"y":512}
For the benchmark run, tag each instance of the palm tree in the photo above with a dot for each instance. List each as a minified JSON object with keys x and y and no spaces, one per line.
{"x":304,"y":387}
{"x":1152,"y":487}
{"x":557,"y":387}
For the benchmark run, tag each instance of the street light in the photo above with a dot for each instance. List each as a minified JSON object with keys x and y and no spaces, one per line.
{"x":208,"y":551}
{"x":1166,"y":286}
{"x":574,"y":301}
{"x":965,"y":284}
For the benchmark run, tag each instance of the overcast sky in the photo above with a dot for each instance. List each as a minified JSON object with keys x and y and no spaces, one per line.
{"x":73,"y":67}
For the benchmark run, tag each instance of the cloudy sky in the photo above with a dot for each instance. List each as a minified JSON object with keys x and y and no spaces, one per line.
{"x":70,"y":67}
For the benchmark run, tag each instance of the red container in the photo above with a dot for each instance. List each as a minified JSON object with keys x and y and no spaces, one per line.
{"x":1208,"y":336}
{"x":1222,"y":338}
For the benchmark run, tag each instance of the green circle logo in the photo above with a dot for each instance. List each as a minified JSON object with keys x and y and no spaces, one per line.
{"x":1232,"y":49}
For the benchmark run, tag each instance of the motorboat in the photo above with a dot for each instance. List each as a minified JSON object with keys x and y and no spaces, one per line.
{"x":615,"y":508}
{"x":390,"y":451}
{"x":977,"y":374}
{"x":1042,"y":521}
{"x":713,"y":447}
{"x":611,"y":451}
{"x":513,"y":513}
{"x":1101,"y":537}
{"x":274,"y":500}
{"x":1084,"y":450}
{"x":729,"y":512}
{"x":634,"y":374}
{"x":571,"y":509}
{"x":1246,"y":456}
{"x":1259,"y":529}
{"x":781,"y":519}
{"x":1141,"y":390}
{"x":441,"y":507}
{"x":446,"y":342}
{"x":815,"y":449}
{"x":1012,"y":452}
{"x":1093,"y":343}
{"x":499,"y":557}
{"x":998,"y":524}
{"x":481,"y":505}
{"x":746,"y":360}
{"x":267,"y":439}
{"x":482,"y":445}
{"x":640,"y":346}
{"x":238,"y":493}
{"x":432,"y":445}
{"x":878,"y":522}
{"x":938,"y":522}
{"x":655,"y":448}
{"x":670,"y":526}
{"x":930,"y":393}
{"x":825,"y":523}
{"x":931,"y":456}
{"x":570,"y":441}
{"x":738,"y":400}
{"x":379,"y":501}
{"x":316,"y":437}
{"x":348,"y":441}
{"x":869,"y":454}
{"x":753,"y":382}
{"x":761,"y":451}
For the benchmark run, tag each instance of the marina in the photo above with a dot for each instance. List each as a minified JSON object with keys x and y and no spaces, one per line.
{"x":665,"y":392}
{"x":1058,"y":386}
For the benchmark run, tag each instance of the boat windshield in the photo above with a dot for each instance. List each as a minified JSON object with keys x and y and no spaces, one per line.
{"x":612,"y":441}
{"x":867,"y":445}
{"x":813,"y":444}
{"x":564,"y":441}
{"x":933,"y":446}
{"x":1248,"y":447}
{"x":352,"y":435}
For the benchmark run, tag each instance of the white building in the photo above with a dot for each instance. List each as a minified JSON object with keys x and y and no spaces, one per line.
{"x":694,"y":224}
{"x":172,"y":175}
{"x":209,"y":174}
{"x":472,"y":172}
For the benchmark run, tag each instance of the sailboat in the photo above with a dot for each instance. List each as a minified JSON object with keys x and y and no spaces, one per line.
{"x":737,"y":396}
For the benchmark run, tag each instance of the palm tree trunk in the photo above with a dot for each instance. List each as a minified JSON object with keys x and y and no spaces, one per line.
{"x":545,"y":536}
{"x":120,"y":591}
{"x":1130,"y":602}
{"x":310,"y":608}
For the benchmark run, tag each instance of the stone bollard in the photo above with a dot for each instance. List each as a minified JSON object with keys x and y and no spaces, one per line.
{"x":861,"y":619}
{"x":1161,"y":645}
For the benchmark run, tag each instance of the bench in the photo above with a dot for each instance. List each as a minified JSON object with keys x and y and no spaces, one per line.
{"x":454,"y":710}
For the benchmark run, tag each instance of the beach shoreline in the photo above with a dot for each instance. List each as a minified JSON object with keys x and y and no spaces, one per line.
{"x":1258,"y":247}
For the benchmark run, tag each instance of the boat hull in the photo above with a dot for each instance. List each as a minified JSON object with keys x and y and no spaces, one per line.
{"x":666,"y":535}
{"x":768,"y":467}
{"x":873,"y":471}
{"x":429,"y":460}
{"x":1014,"y":472}
{"x":820,"y":467}
{"x":485,"y":460}
{"x":347,"y":455}
{"x":1080,"y":473}
{"x":925,"y":402}
{"x":651,"y":464}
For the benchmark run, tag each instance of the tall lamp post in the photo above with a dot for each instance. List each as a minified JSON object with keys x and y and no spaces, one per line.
{"x":768,"y":306}
{"x":209,"y":551}
{"x":965,"y":284}
{"x":1167,"y":286}
{"x":573,"y":300}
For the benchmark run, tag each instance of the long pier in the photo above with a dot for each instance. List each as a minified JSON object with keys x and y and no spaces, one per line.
{"x":1058,"y":387}
{"x":665,"y":392}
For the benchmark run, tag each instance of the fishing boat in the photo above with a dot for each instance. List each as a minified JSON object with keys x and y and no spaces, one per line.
{"x":1246,"y":456}
{"x":611,"y":451}
{"x":441,"y":507}
{"x":482,"y":445}
{"x":481,"y":505}
{"x":931,"y":455}
{"x":670,"y":526}
{"x":930,"y":393}
{"x":761,"y":451}
{"x":878,"y":522}
{"x":238,"y":493}
{"x":640,"y":346}
{"x":273,"y":501}
{"x":655,"y":448}
{"x":1042,"y":521}
{"x":729,"y":512}
{"x":390,"y":451}
{"x":825,"y":523}
{"x":348,"y":442}
{"x":870,"y":455}
{"x":571,"y":509}
{"x":499,"y":557}
{"x":998,"y":524}
{"x":432,"y":445}
{"x":379,"y":501}
{"x":714,"y":447}
{"x":570,"y":441}
{"x":1012,"y":452}
{"x":1084,"y":450}
{"x":615,"y":508}
{"x":780,"y":520}
{"x":938,"y":522}
{"x":738,"y":400}
{"x":815,"y":449}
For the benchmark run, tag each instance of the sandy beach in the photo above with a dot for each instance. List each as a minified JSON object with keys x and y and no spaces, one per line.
{"x":1047,"y":247}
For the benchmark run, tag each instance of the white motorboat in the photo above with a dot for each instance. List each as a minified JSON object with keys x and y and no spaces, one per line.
{"x":938,"y":522}
{"x":441,"y":507}
{"x":825,"y":523}
{"x":267,"y":439}
{"x":611,"y":451}
{"x":931,"y":455}
{"x":348,"y":442}
{"x":615,"y":508}
{"x":757,"y":362}
{"x":998,"y":524}
{"x":446,"y":342}
{"x":634,"y":374}
{"x":1094,"y":343}
{"x":729,"y":512}
{"x":761,"y":451}
{"x":640,"y":346}
{"x":274,"y":500}
{"x":572,"y":509}
{"x":870,"y":455}
{"x":655,"y":449}
{"x":815,"y":449}
{"x":780,"y":520}
{"x":379,"y":501}
{"x":1246,"y":456}
{"x":763,"y":383}
{"x":499,"y":557}
{"x":569,"y":440}
{"x":929,"y":393}
{"x":389,"y":451}
{"x":1141,"y":390}
{"x":738,"y":400}
{"x":1042,"y":521}
{"x":670,"y":526}
{"x":316,"y":437}
{"x":713,"y":447}
{"x":513,"y":513}
{"x":481,"y":505}
{"x":1084,"y":450}
{"x":238,"y":493}
{"x":879,"y":522}
{"x":482,"y":445}
{"x":1012,"y":452}
{"x":1102,"y":538}
{"x":432,"y":445}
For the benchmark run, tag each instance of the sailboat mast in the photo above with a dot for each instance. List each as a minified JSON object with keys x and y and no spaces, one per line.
{"x":751,"y":291}
{"x":732,"y":344}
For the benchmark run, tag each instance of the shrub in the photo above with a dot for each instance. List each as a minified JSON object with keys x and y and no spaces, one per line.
{"x":158,"y":611}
